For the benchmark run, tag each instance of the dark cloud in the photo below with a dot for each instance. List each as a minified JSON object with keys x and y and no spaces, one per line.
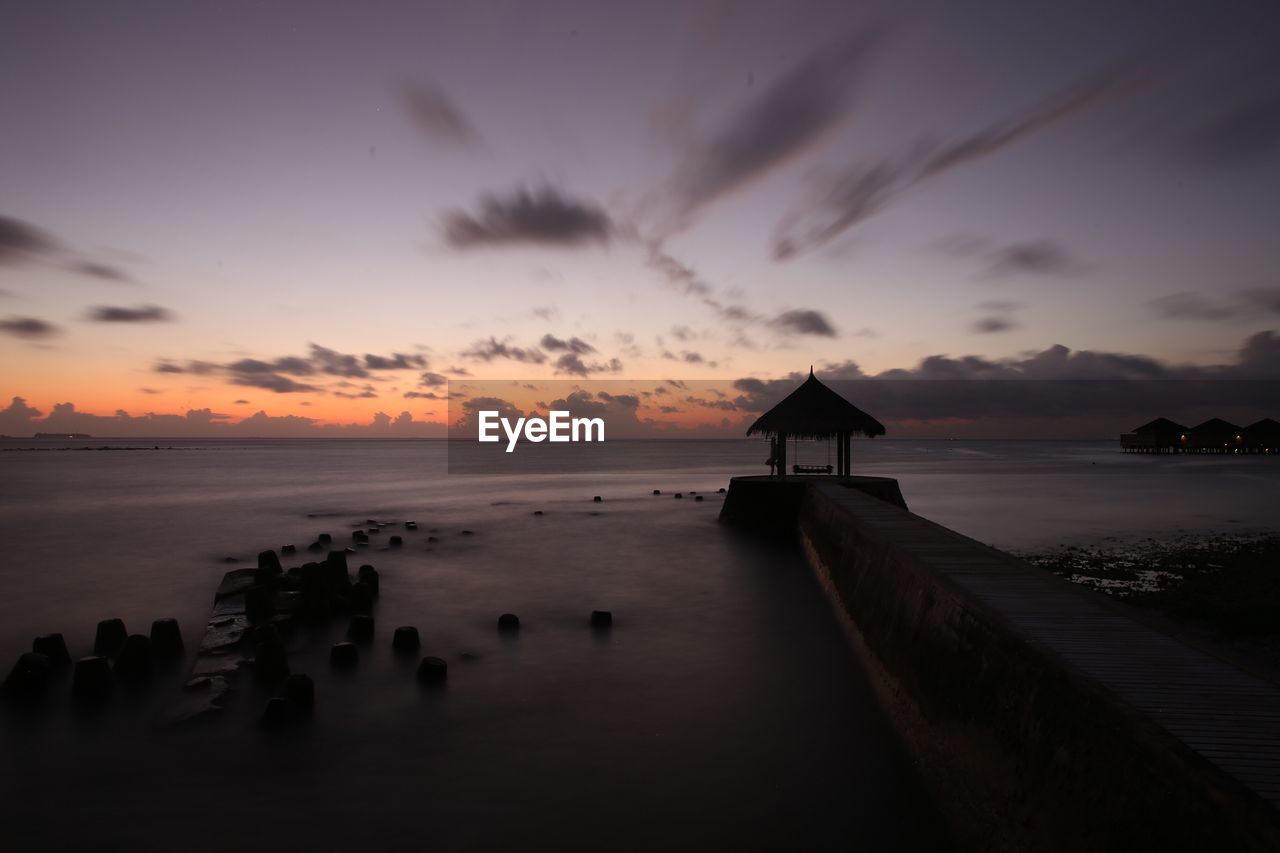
{"x":495,"y":349}
{"x":865,"y":189}
{"x":139,"y":314}
{"x":274,"y":382}
{"x":1036,"y":257}
{"x":785,"y":119}
{"x":239,"y":402}
{"x":803,"y":322}
{"x":1242,"y":136}
{"x":31,"y":328}
{"x":689,"y":357}
{"x":198,"y":368}
{"x":1242,"y":305}
{"x":544,"y":217}
{"x":336,"y":363}
{"x":437,"y":115}
{"x":424,"y":395}
{"x":21,"y":241}
{"x":572,"y":364}
{"x":573,"y":345}
{"x":367,"y":394}
{"x":396,"y":361}
{"x":682,"y":333}
{"x":145,"y":390}
{"x":106,"y":272}
{"x":993,"y":324}
{"x":432,"y":380}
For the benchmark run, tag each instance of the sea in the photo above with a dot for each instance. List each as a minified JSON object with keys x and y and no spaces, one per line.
{"x":724,"y":710}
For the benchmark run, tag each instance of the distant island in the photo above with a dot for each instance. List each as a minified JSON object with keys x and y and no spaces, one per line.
{"x":62,"y":435}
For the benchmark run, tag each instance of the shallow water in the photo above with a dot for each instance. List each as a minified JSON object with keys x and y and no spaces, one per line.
{"x":724,"y":709}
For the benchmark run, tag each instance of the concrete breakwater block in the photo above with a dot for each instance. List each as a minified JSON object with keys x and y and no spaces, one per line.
{"x":601,"y":619}
{"x":368,"y":574}
{"x":135,"y":664}
{"x":288,"y":549}
{"x":344,"y":655}
{"x":166,"y":639}
{"x":270,"y":662}
{"x":278,"y":713}
{"x":698,"y":498}
{"x":110,"y":637}
{"x":395,"y":542}
{"x":29,"y":679}
{"x":361,"y":627}
{"x":678,"y":496}
{"x":657,"y":491}
{"x":405,"y":639}
{"x":269,"y":562}
{"x":54,"y":647}
{"x":91,"y":681}
{"x":300,"y":690}
{"x":433,"y":670}
{"x":597,"y":499}
{"x":411,"y":525}
{"x":508,"y":622}
{"x":361,"y":597}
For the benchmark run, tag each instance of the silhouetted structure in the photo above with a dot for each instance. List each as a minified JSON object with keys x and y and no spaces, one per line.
{"x":1214,"y":436}
{"x":1262,"y":437}
{"x":1159,"y":436}
{"x":815,"y":411}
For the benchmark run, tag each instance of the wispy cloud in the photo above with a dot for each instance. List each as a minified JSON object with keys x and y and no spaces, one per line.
{"x":865,"y":189}
{"x":138,"y":314}
{"x":437,"y":115}
{"x":31,"y":328}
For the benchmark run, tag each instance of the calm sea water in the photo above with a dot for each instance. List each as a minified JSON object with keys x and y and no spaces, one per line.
{"x":725,"y":707}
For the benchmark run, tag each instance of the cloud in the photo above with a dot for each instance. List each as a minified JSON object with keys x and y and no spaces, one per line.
{"x":139,"y":314}
{"x":803,"y":322}
{"x":784,"y":120}
{"x":689,"y":357}
{"x":336,"y":363}
{"x":31,"y":328}
{"x":21,"y":241}
{"x":396,"y":361}
{"x":545,"y":217}
{"x":865,"y":189}
{"x":106,"y":272}
{"x":1036,"y":257}
{"x":572,"y":364}
{"x":573,"y":345}
{"x":432,"y":380}
{"x":1241,"y":305}
{"x":198,"y":368}
{"x":993,"y":324}
{"x":423,"y":395}
{"x":495,"y":349}
{"x":437,"y":115}
{"x":1244,"y":135}
{"x":271,"y":382}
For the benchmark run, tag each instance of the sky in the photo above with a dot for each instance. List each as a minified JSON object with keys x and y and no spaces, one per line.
{"x":291,"y":218}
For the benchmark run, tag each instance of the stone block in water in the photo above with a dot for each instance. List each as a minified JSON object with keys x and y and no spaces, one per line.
{"x":300,"y":690}
{"x":135,"y":663}
{"x":270,"y":662}
{"x":110,"y":637}
{"x":324,"y":538}
{"x":344,"y":655}
{"x":601,"y":619}
{"x":361,"y":627}
{"x":508,"y":622}
{"x":678,"y":496}
{"x":336,"y":568}
{"x":54,"y":647}
{"x":361,"y":598}
{"x":597,"y":499}
{"x":91,"y":680}
{"x":433,"y":670}
{"x":395,"y":542}
{"x":29,"y":678}
{"x":288,"y":549}
{"x":269,"y":562}
{"x":368,"y":574}
{"x":405,"y":639}
{"x":277,"y":713}
{"x":166,"y":639}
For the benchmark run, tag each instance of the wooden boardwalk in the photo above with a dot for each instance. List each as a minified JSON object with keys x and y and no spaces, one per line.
{"x":1228,"y":716}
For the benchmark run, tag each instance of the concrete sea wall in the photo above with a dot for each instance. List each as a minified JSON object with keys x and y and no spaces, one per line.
{"x":1023,"y":749}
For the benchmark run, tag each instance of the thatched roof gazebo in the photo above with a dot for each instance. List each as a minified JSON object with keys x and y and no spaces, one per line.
{"x":815,"y":411}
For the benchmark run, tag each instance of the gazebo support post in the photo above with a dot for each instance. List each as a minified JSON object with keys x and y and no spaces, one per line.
{"x":846,"y":440}
{"x":840,"y":454}
{"x":782,"y":454}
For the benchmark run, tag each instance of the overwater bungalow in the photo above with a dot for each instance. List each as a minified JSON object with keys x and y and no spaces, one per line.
{"x":814,"y":411}
{"x":1262,"y":437}
{"x":1159,"y":436}
{"x":1215,"y":436}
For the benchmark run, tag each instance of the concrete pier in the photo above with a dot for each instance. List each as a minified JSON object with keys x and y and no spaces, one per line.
{"x":1044,"y":716}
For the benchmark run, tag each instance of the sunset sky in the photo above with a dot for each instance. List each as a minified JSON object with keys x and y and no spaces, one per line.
{"x":323,"y":211}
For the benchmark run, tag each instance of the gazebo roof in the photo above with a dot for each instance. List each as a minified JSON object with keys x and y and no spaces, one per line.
{"x":1215,"y":425}
{"x":815,"y":411}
